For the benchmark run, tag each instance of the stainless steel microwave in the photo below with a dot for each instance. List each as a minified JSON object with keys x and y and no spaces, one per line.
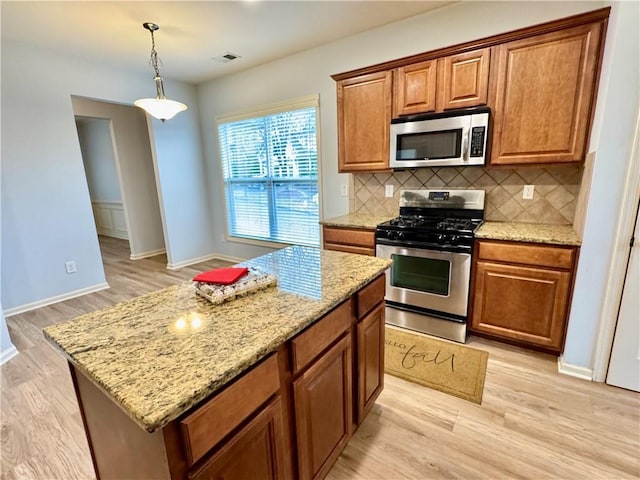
{"x":454,"y":138}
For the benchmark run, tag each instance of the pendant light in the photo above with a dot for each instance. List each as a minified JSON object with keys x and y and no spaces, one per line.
{"x":160,"y":107}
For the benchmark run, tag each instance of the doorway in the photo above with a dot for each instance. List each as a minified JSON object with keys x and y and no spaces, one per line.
{"x":121,"y":178}
{"x":96,"y":147}
{"x":624,"y":364}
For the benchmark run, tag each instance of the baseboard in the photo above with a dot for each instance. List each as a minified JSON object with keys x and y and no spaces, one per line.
{"x":8,"y":354}
{"x":213,"y":256}
{"x":574,"y":370}
{"x":151,"y":253}
{"x":58,"y":298}
{"x":122,"y":235}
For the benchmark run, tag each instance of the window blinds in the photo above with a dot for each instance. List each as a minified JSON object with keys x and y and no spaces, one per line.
{"x":270,"y":172}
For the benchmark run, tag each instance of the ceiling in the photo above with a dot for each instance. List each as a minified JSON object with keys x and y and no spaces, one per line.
{"x":193,"y":32}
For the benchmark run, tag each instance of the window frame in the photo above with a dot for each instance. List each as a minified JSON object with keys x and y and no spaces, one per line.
{"x":309,"y":101}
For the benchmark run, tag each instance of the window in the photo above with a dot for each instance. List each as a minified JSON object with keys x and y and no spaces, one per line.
{"x":270,"y":171}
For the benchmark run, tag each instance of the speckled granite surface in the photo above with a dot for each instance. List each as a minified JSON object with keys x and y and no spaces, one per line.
{"x":161,"y":353}
{"x":529,"y":232}
{"x":355,"y":220}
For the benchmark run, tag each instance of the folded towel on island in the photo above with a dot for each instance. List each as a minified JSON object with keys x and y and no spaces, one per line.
{"x":221,"y":276}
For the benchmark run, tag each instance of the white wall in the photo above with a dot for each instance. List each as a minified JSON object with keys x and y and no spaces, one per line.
{"x":96,"y":146}
{"x":135,"y":163}
{"x":612,"y":139}
{"x":309,"y":72}
{"x":46,"y":212}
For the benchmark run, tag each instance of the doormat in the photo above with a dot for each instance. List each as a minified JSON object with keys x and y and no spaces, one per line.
{"x":452,"y":368}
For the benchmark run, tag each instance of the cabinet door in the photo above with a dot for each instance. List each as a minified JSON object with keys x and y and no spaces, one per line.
{"x":528,"y":304}
{"x":415,"y":88}
{"x":364,"y":119}
{"x":464,"y":79}
{"x":323,"y":410}
{"x":544,"y":96}
{"x":256,"y":451}
{"x":370,"y":360}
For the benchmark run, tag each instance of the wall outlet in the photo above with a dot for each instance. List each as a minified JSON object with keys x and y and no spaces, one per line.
{"x":344,"y":190}
{"x":70,"y":267}
{"x":527,"y":192}
{"x":388,"y":191}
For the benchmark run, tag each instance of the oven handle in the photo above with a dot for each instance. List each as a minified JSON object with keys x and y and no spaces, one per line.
{"x":425,"y":246}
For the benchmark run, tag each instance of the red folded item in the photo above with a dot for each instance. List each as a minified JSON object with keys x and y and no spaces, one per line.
{"x":222,"y":276}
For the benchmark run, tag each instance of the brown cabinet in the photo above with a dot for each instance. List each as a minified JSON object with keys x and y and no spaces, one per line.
{"x":256,"y":451}
{"x":350,"y":240}
{"x":522,"y":292}
{"x":369,"y":346}
{"x":544,"y":95}
{"x":323,"y":400}
{"x":455,"y":81}
{"x":540,"y":83}
{"x":463,"y":79}
{"x":364,"y":118}
{"x":299,"y":399}
{"x":415,"y":88}
{"x":370,"y":360}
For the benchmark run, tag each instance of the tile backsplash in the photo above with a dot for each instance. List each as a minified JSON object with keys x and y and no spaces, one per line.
{"x":554,"y":200}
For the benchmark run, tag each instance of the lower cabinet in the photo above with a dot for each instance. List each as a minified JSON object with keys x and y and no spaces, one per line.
{"x":256,"y":451}
{"x":370,"y":370}
{"x":301,"y":399}
{"x":522,"y":292}
{"x":323,"y":399}
{"x":350,"y":240}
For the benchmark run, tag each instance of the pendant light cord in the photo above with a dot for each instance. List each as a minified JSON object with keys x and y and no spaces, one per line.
{"x":154,"y":55}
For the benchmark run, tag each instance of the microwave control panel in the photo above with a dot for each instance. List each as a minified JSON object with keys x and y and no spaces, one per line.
{"x":477,"y":141}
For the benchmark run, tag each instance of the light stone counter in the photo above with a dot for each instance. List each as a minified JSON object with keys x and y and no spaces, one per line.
{"x":354,"y":220}
{"x":529,"y":232}
{"x":159,"y":354}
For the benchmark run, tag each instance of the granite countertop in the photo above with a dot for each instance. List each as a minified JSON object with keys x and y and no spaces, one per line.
{"x":159,"y":354}
{"x":355,"y":220}
{"x":529,"y":232}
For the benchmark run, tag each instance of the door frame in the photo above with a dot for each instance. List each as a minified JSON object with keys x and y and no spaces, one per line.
{"x":619,"y":261}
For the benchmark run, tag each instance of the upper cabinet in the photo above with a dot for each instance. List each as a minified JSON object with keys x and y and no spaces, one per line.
{"x":455,"y":81}
{"x":540,"y":83}
{"x":415,"y":88}
{"x":364,"y":119}
{"x":463,"y":79}
{"x":544,"y":96}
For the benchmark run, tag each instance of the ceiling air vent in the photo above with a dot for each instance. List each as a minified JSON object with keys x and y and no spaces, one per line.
{"x":226,"y":57}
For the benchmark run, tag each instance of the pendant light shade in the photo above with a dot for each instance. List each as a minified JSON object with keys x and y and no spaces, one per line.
{"x":160,"y":107}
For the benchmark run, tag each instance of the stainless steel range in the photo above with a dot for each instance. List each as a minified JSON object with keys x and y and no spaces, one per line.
{"x":431,"y":244}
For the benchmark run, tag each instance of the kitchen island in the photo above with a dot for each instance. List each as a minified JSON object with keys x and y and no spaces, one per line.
{"x":172,"y":386}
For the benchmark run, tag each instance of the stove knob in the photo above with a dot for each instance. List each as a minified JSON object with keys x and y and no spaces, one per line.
{"x":401,"y":235}
{"x":441,"y":238}
{"x":454,"y":239}
{"x":392,"y":235}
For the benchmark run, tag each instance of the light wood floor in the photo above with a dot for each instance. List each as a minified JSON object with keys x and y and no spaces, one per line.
{"x":533,"y":423}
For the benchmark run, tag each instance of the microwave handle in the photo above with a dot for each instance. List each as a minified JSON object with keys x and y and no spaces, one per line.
{"x":465,"y":145}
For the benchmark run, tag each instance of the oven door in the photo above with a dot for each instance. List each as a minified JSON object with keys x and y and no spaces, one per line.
{"x":427,"y":279}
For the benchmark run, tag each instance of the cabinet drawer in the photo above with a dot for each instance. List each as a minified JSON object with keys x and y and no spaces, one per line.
{"x":349,"y":249}
{"x":370,"y":296}
{"x":349,"y":236}
{"x":539,"y":255}
{"x":205,"y":427}
{"x":310,"y":343}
